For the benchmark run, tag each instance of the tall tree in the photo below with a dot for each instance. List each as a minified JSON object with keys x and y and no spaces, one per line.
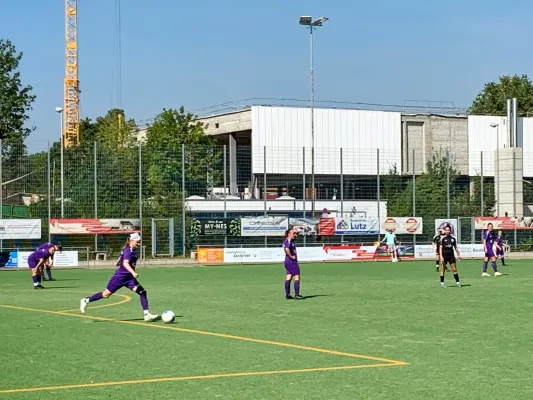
{"x":15,"y":98}
{"x":162,"y":157}
{"x":492,"y":100}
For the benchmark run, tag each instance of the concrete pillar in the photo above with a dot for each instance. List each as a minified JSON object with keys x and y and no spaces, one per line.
{"x":508,"y":179}
{"x":233,"y":190}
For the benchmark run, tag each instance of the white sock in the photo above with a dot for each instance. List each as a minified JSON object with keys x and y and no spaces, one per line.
{"x":146,"y":312}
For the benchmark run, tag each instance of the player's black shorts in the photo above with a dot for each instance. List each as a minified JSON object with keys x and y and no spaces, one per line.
{"x":449,"y":259}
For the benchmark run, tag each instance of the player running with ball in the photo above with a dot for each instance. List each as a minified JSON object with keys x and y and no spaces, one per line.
{"x":124,"y":276}
{"x":447,"y":249}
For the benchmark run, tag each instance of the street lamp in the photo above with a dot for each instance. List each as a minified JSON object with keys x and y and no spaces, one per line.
{"x":59,"y":110}
{"x":497,"y":126}
{"x":308,"y":22}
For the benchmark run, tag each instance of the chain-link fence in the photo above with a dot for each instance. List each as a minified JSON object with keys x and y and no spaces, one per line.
{"x":204,"y":191}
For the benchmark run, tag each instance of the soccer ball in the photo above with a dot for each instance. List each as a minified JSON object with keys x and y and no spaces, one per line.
{"x":168,"y":317}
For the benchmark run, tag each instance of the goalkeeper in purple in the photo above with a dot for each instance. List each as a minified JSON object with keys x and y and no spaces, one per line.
{"x":489,"y":240}
{"x":292,"y":269}
{"x":124,"y":276}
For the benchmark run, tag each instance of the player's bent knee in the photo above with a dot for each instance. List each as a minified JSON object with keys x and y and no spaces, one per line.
{"x":106,"y":293}
{"x":139,"y":289}
{"x":296,"y":277}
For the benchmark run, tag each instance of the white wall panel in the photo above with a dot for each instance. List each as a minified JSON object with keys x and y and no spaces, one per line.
{"x":483,"y":138}
{"x":286,"y":131}
{"x":525,"y":138}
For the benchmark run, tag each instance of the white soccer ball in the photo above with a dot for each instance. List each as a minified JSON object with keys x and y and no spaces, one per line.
{"x":168,"y":317}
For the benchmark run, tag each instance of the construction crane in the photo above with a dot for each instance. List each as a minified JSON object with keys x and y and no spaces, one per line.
{"x":71,"y":91}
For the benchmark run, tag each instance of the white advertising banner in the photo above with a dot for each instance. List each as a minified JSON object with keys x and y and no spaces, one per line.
{"x":276,"y":254}
{"x":20,"y":229}
{"x":440,"y":223}
{"x":61,"y":259}
{"x":467,"y":251}
{"x":402,"y":225}
{"x":264,"y":226}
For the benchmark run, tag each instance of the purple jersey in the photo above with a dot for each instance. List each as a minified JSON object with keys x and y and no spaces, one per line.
{"x":46,"y":246}
{"x":127,"y":254}
{"x":289,"y":244}
{"x":489,"y":238}
{"x":37,"y":255}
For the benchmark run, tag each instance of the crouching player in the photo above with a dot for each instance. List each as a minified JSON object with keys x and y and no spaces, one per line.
{"x":447,"y":250}
{"x":36,"y":262}
{"x":50,"y":261}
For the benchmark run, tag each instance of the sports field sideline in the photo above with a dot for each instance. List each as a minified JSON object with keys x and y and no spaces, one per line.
{"x":365,"y":330}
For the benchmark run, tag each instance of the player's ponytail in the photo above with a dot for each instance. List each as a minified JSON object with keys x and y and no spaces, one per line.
{"x":287,"y":232}
{"x":127,"y":244}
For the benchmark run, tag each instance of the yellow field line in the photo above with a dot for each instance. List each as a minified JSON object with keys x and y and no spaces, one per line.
{"x":193,"y":377}
{"x":125,"y":297}
{"x":207,"y":333}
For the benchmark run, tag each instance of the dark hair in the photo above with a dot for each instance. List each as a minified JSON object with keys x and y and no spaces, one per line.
{"x":287,"y":232}
{"x":490,"y":224}
{"x":59,"y":246}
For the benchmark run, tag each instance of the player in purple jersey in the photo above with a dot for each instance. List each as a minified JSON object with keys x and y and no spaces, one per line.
{"x":488,"y":244}
{"x":50,"y":261}
{"x":499,"y":251}
{"x":124,"y":276}
{"x":36,"y":262}
{"x":292,"y":269}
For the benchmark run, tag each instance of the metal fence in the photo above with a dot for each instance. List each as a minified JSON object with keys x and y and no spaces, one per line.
{"x":187,"y":183}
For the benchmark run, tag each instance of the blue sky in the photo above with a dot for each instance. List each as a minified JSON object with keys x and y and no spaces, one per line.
{"x":205,"y":52}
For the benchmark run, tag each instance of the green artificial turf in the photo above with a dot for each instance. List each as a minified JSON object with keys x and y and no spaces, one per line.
{"x":469,"y":343}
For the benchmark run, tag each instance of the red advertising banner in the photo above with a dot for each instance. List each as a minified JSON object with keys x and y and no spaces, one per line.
{"x":503,"y":223}
{"x":326,"y":226}
{"x":81,"y":226}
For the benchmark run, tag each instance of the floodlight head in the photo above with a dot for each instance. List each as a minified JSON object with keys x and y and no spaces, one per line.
{"x":59,"y":109}
{"x":320,"y":21}
{"x":494,"y":125}
{"x":306,"y":20}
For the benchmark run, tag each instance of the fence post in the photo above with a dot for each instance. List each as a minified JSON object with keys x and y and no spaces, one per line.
{"x":225,"y":205}
{"x":303,"y":191}
{"x":184,"y":227}
{"x":265,"y":186}
{"x":448,"y":205}
{"x":414,"y":193}
{"x":140,"y":190}
{"x":481,"y":184}
{"x":342,"y":184}
{"x":95,"y":160}
{"x":378,"y":191}
{"x":49,"y":196}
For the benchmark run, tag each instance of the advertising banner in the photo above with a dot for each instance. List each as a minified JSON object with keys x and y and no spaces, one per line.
{"x":8,"y":259}
{"x":467,"y":251}
{"x":20,"y":229}
{"x":212,"y":227}
{"x":270,"y":225}
{"x":94,"y":226}
{"x":305,"y":254}
{"x":503,"y":223}
{"x":402,"y":225}
{"x":405,"y":252}
{"x":61,"y":259}
{"x":440,"y":223}
{"x":210,"y":255}
{"x":357,"y":226}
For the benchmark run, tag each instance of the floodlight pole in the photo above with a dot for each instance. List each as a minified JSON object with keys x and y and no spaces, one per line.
{"x":312,"y":106}
{"x":308,"y":22}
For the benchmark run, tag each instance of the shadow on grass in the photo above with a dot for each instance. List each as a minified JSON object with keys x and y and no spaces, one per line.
{"x":136,"y":319}
{"x":312,"y":296}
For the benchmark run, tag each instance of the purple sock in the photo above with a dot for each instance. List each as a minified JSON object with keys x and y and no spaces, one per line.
{"x":485,"y":266}
{"x":493,"y":265}
{"x":96,"y":297}
{"x":35,"y":279}
{"x":297,"y":288}
{"x":144,"y":301}
{"x":49,"y":273}
{"x":503,"y":261}
{"x":287,"y":288}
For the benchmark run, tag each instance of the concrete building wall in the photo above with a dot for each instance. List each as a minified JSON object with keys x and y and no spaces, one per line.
{"x":425,"y":135}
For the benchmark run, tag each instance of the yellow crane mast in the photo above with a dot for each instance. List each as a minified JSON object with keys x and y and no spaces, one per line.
{"x":71,"y":100}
